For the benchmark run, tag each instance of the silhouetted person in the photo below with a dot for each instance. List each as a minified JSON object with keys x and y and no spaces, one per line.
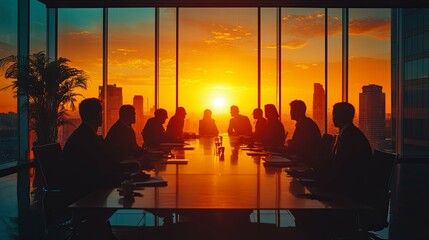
{"x":260,"y":125}
{"x":239,"y":124}
{"x":121,"y":137}
{"x":348,"y":170}
{"x":153,"y":132}
{"x":306,"y":141}
{"x":207,"y":125}
{"x":89,"y":166}
{"x":275,"y":131}
{"x":346,"y":175}
{"x":175,"y":126}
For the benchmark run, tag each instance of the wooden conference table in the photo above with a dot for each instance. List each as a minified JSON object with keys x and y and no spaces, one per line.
{"x":209,"y":183}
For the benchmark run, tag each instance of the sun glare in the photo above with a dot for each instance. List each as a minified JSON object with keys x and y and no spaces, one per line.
{"x":219,"y":102}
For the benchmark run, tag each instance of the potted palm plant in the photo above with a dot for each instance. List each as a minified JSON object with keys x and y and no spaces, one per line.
{"x":50,"y":86}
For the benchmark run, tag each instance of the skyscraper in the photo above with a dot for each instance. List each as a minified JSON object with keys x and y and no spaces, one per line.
{"x":372,"y":114}
{"x":319,"y":106}
{"x":113,"y":103}
{"x":138,"y":126}
{"x":409,"y":37}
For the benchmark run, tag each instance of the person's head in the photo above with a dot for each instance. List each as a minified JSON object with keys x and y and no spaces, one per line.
{"x":257,"y":113}
{"x":343,"y":114}
{"x":181,"y":112}
{"x":297,"y":110}
{"x":207,"y":114}
{"x":90,"y":111}
{"x":271,"y":111}
{"x":234,"y":111}
{"x":127,"y":114}
{"x":161,"y":115}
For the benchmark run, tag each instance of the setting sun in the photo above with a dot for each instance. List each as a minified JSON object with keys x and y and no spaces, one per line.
{"x":219,"y":102}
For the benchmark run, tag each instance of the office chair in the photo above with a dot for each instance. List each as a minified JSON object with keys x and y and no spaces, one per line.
{"x":379,"y":178}
{"x":48,"y":158}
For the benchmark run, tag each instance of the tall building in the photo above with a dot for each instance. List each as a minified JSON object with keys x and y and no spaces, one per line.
{"x":410,"y":39}
{"x":138,"y":126}
{"x":319,"y":106}
{"x":372,"y":114}
{"x":114,"y":102}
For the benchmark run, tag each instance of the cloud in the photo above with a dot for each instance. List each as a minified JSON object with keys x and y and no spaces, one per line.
{"x":290,"y":44}
{"x":229,"y":33}
{"x":312,"y":25}
{"x":124,"y":51}
{"x":374,"y":27}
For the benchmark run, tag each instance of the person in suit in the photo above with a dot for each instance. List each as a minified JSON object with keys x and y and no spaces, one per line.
{"x":345,"y":174}
{"x":260,"y":125}
{"x":153,"y":132}
{"x":275,"y":131}
{"x":207,"y":125}
{"x":239,"y":124}
{"x":121,"y":137}
{"x":175,"y":126}
{"x":89,"y":166}
{"x":306,"y":142}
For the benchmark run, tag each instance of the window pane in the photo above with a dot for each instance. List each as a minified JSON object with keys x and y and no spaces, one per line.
{"x":8,"y":103}
{"x":303,"y":60}
{"x":269,"y":70}
{"x":218,"y":63}
{"x":37,"y":26}
{"x":369,"y":73}
{"x":131,"y":62}
{"x":334,"y":63}
{"x":80,"y":40}
{"x":167,"y":60}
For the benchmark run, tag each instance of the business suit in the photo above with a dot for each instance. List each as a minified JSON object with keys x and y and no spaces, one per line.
{"x":306,"y":142}
{"x":121,"y":140}
{"x":240,"y":125}
{"x":153,"y":133}
{"x":89,"y":162}
{"x":347,"y":173}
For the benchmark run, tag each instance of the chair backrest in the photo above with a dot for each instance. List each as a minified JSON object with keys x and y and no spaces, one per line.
{"x":381,"y":172}
{"x":48,"y":158}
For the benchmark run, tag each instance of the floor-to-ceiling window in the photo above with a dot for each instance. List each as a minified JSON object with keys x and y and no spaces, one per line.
{"x":8,"y":103}
{"x":369,"y":73}
{"x":80,"y":37}
{"x":302,"y":62}
{"x":217,"y":62}
{"x":131,"y":60}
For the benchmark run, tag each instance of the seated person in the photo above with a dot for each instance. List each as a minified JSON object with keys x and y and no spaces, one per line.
{"x":207,"y":125}
{"x":260,"y":125}
{"x":306,"y":142}
{"x":175,"y":126}
{"x":121,"y":138}
{"x":345,"y":175}
{"x":153,"y":132}
{"x":239,"y":124}
{"x":90,"y":166}
{"x":275,"y":131}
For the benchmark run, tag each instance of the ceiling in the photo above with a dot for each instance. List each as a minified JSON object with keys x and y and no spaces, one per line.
{"x":236,"y":3}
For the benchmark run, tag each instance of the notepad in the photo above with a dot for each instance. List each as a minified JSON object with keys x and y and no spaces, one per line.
{"x":154,"y":181}
{"x":184,"y":148}
{"x":257,"y":153}
{"x":175,"y":161}
{"x":254,"y":149}
{"x":277,"y":159}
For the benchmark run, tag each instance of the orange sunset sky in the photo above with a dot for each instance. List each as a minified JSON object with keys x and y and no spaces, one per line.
{"x":218,"y":55}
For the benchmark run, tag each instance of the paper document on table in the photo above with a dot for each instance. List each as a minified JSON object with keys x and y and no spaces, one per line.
{"x":175,"y":161}
{"x":257,"y":153}
{"x":154,"y":181}
{"x":277,"y":159}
